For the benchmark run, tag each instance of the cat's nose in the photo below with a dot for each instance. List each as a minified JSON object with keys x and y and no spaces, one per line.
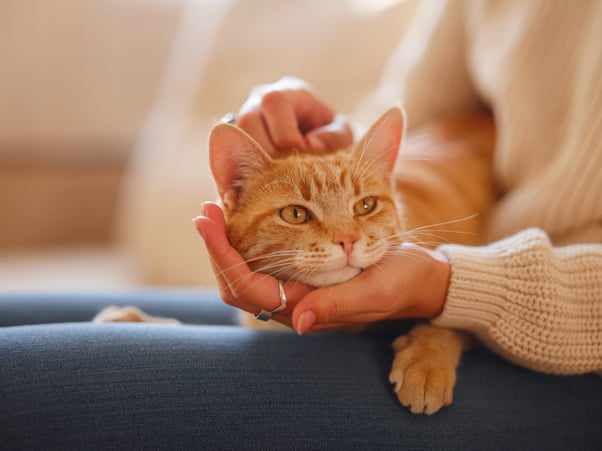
{"x":347,"y":243}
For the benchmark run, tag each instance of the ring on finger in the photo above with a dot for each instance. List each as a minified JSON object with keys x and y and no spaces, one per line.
{"x":264,"y":315}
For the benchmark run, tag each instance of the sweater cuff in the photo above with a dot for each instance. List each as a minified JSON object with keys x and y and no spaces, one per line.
{"x":490,"y":294}
{"x":478,"y":286}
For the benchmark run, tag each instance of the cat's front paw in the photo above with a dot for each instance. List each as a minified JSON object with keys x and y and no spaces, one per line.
{"x":129,"y":314}
{"x":424,"y":368}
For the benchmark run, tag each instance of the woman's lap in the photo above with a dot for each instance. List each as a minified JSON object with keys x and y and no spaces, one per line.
{"x":136,"y":386}
{"x":199,"y":306}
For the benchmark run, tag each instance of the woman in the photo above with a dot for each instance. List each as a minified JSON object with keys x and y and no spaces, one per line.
{"x":538,"y":67}
{"x":509,"y":56}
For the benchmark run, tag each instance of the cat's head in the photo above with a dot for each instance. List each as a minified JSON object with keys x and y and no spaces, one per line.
{"x":320,"y":219}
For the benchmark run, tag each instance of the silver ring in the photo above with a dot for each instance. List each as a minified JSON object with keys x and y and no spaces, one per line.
{"x":228,"y":118}
{"x":265,"y":315}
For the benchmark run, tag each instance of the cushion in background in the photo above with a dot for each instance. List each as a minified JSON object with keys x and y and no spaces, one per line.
{"x":222,"y":50}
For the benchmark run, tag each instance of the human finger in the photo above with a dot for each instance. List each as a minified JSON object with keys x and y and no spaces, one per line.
{"x":274,"y":104}
{"x":278,"y":110}
{"x":254,"y":125}
{"x":231,"y":266}
{"x":246,"y":289}
{"x":333,"y":136}
{"x":290,"y":108}
{"x":292,"y":114}
{"x":212,"y":233}
{"x":358,"y":301}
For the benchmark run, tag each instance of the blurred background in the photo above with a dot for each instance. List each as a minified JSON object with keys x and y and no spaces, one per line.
{"x":105,"y":109}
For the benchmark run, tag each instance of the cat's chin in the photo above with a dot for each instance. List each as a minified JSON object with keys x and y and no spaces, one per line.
{"x":333,"y":277}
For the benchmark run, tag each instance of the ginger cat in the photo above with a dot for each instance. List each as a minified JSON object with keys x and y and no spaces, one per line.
{"x":323,"y":218}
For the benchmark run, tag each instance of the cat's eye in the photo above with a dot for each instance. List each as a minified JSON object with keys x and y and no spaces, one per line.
{"x":294,"y":214}
{"x":365,"y":206}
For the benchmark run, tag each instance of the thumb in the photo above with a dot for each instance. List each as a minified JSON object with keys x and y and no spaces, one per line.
{"x":335,"y":306}
{"x":317,"y":308}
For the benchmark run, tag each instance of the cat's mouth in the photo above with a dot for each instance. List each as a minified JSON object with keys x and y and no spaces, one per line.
{"x":334,"y":276}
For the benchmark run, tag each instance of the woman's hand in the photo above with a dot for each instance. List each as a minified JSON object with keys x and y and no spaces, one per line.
{"x":291,"y":114}
{"x":412,"y":283}
{"x":238,"y":285}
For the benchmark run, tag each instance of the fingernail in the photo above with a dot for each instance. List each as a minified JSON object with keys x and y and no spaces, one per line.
{"x":198,"y":228}
{"x":204,"y":208}
{"x":306,"y":322}
{"x":315,"y":142}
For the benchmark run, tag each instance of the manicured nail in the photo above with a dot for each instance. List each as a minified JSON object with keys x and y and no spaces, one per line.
{"x":197,"y":227}
{"x":315,"y":142}
{"x":204,"y":208}
{"x":306,"y":322}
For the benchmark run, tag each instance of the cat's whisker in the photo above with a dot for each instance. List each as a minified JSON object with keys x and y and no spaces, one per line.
{"x":403,"y":251}
{"x":418,"y":234}
{"x":277,"y":266}
{"x":270,"y":255}
{"x":378,"y":265}
{"x":275,"y":254}
{"x":412,"y":250}
{"x":416,"y":159}
{"x":451,"y":221}
{"x":268,"y":269}
{"x":435,"y":232}
{"x":429,"y":244}
{"x":422,"y":136}
{"x":422,"y":241}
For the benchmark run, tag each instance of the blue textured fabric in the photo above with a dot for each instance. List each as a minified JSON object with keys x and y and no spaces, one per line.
{"x":192,"y":306}
{"x":143,"y":386}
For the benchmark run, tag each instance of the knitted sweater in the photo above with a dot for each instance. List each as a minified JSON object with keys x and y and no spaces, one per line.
{"x":538,"y":65}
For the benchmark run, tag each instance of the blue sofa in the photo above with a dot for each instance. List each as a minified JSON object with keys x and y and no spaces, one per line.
{"x":68,"y":384}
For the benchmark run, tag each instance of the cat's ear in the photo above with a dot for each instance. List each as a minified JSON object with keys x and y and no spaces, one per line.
{"x":381,"y":143}
{"x":234,"y":157}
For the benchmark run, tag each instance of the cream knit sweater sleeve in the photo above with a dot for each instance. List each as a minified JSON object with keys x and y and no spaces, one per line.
{"x":537,"y":64}
{"x":535,"y":304}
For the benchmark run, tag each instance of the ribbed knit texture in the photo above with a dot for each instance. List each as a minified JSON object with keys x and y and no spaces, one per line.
{"x":536,"y":305}
{"x":538,"y":65}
